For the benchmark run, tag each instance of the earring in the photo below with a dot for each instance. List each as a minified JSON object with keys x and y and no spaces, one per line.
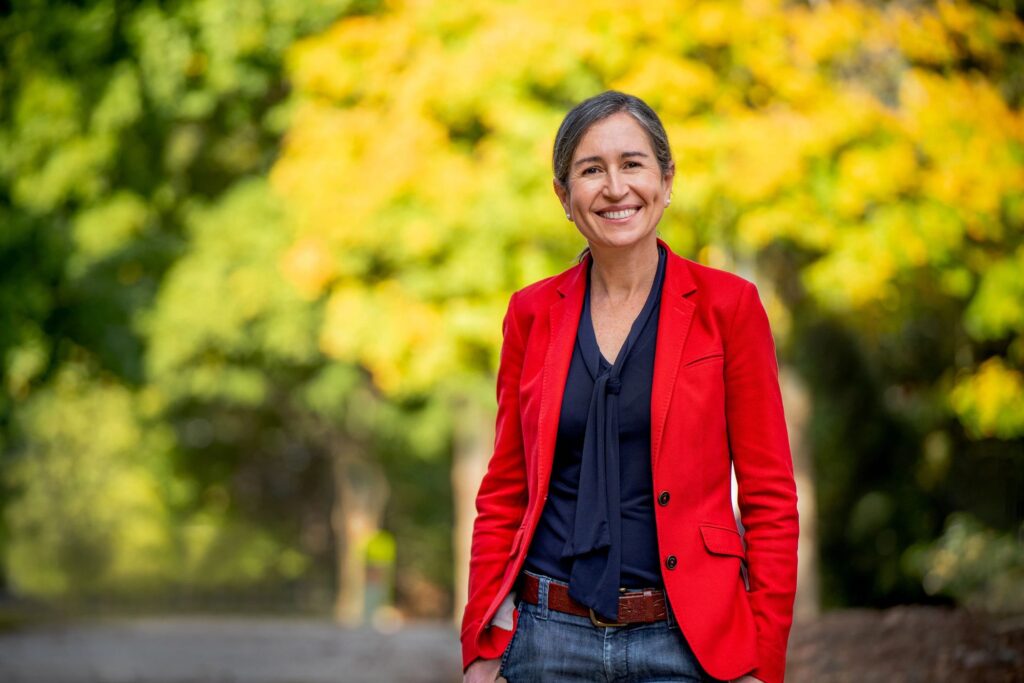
{"x":569,"y":216}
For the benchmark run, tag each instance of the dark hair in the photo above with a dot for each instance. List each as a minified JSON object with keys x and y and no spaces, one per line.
{"x":588,"y":112}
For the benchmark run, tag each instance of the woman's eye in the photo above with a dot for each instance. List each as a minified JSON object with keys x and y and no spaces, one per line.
{"x":587,"y":171}
{"x":632,"y":164}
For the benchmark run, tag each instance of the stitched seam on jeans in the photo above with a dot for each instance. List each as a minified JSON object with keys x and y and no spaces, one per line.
{"x":508,"y":648}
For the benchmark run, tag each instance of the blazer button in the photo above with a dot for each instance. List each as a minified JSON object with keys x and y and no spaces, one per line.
{"x":670,"y":561}
{"x":663,"y":498}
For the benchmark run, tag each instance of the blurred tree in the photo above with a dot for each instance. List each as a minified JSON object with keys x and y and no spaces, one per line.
{"x":249,"y":356}
{"x":96,"y":522}
{"x":981,"y":568}
{"x":267,"y":349}
{"x":138,"y":252}
{"x":829,"y":143}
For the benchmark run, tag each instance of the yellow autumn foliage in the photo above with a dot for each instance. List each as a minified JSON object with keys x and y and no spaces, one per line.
{"x":418,"y":171}
{"x":989,"y":401}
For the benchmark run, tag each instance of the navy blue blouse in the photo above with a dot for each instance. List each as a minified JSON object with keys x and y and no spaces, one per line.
{"x":597,"y":531}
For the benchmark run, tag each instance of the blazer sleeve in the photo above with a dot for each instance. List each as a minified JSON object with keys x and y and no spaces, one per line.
{"x":500,"y":503}
{"x":759,"y":444}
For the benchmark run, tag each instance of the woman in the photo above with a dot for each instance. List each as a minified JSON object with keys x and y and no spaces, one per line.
{"x":605,"y":547}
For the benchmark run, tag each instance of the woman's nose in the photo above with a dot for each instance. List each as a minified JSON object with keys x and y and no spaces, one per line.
{"x":615,"y":184}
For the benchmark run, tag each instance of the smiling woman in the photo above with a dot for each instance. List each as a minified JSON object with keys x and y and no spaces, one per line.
{"x":629,"y":386}
{"x":616,"y":190}
{"x":622,"y":133}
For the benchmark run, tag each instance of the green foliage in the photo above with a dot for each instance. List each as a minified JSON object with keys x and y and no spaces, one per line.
{"x":192,"y":314}
{"x":94,"y":510}
{"x":139,"y":290}
{"x":380,"y":549}
{"x":974,"y":564}
{"x":100,"y":513}
{"x":225,"y":318}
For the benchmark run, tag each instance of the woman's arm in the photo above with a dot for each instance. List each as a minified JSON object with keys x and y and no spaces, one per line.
{"x":759,"y":443}
{"x":500,"y":503}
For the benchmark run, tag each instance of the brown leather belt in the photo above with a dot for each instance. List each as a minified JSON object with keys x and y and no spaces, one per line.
{"x":640,"y":607}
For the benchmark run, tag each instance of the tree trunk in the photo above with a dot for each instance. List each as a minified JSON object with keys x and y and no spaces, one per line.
{"x":797,"y":400}
{"x":360,"y":493}
{"x":474,"y":443}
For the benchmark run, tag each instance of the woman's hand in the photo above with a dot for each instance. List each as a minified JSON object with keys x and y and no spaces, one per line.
{"x":482,"y":671}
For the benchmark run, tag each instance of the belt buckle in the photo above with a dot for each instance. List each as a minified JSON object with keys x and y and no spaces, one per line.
{"x":604,"y":624}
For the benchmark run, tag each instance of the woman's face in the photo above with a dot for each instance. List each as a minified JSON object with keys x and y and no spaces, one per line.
{"x":616,"y":190}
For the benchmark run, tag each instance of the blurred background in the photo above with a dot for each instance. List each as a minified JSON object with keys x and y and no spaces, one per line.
{"x":254,"y":256}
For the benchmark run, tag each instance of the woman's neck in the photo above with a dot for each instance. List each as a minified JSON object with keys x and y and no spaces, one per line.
{"x":620,"y":273}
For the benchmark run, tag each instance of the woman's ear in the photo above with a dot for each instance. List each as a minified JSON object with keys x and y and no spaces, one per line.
{"x":563,"y":196}
{"x":669,"y":177}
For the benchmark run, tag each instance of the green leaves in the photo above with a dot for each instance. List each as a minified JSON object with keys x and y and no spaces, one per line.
{"x":240,"y":213}
{"x":140,"y":290}
{"x":92,"y":514}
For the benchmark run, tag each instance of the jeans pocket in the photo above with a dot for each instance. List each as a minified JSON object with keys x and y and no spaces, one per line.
{"x":520,"y":621}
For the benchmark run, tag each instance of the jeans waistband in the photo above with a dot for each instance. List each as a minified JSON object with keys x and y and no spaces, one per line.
{"x":542,"y":596}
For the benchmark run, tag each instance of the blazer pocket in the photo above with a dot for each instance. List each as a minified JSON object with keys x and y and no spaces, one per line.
{"x":722,"y":541}
{"x":706,"y":358}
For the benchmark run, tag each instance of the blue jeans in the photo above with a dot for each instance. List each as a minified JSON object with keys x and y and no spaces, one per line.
{"x":552,"y":646}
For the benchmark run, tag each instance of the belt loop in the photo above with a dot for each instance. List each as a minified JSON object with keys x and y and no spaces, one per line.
{"x":670,"y":618}
{"x":542,"y":596}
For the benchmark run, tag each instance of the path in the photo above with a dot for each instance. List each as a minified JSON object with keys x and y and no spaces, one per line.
{"x":911,"y":644}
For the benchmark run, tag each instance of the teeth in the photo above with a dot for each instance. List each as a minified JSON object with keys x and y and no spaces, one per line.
{"x":618,"y":214}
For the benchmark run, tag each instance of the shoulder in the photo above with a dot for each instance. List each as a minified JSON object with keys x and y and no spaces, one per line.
{"x":544,"y":292}
{"x":720,"y":294}
{"x":732,"y":301}
{"x":534,"y":300}
{"x":718,"y":285}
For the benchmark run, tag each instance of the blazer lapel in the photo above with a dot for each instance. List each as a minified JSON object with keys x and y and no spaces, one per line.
{"x":674,"y":317}
{"x":563,"y":323}
{"x":674,"y":320}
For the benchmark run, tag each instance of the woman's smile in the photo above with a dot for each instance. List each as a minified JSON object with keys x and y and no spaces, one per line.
{"x":618,"y":214}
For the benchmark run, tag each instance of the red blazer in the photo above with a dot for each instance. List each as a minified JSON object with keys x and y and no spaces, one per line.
{"x":715,"y":398}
